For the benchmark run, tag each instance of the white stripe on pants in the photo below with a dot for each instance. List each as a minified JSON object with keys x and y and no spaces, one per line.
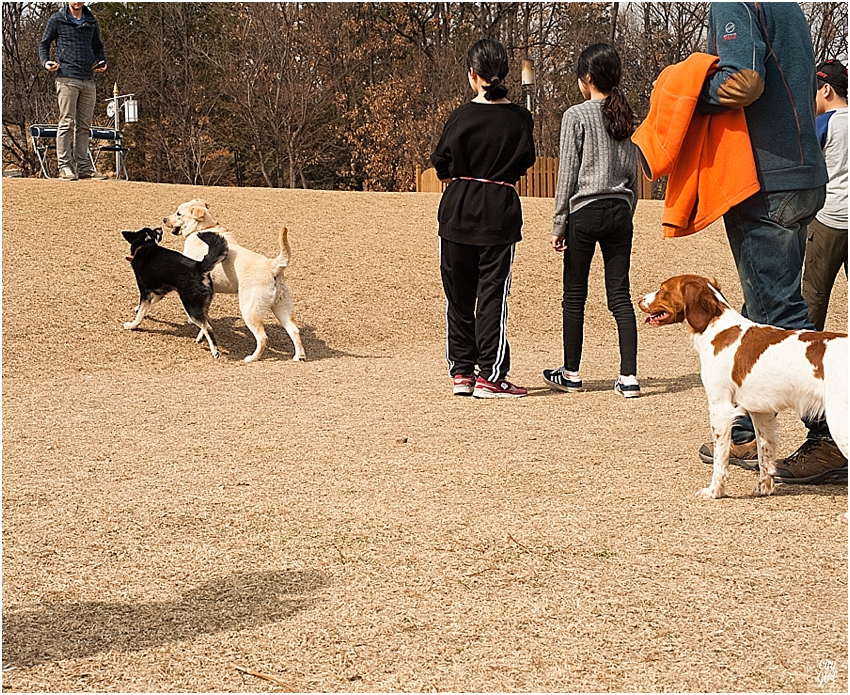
{"x":476,"y":281}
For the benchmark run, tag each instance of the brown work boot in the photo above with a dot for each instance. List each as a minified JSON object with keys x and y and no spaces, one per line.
{"x":745,"y":455}
{"x":815,"y":461}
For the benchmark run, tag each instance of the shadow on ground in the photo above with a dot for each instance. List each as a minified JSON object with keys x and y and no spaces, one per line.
{"x":649,"y":386}
{"x":237,"y":342}
{"x":834,"y":486}
{"x":52,"y":631}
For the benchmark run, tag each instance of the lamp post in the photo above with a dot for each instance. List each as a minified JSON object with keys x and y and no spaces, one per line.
{"x":131,"y":115}
{"x":528,"y":83}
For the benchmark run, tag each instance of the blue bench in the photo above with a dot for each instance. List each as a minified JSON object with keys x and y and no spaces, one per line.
{"x":101,"y":140}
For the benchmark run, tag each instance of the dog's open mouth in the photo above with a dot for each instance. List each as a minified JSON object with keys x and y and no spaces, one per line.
{"x":175,"y":231}
{"x":657,"y":317}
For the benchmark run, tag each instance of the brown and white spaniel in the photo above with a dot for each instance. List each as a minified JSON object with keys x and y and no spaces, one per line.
{"x":753,"y":367}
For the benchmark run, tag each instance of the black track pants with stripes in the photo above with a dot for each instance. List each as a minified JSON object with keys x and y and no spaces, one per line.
{"x":477,"y":281}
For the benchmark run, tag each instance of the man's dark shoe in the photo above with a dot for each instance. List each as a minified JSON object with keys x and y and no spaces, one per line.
{"x":815,"y":461}
{"x":92,"y":175}
{"x":745,"y":455}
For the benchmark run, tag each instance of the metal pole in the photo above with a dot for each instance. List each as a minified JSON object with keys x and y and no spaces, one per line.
{"x":117,"y":131}
{"x":527,"y":79}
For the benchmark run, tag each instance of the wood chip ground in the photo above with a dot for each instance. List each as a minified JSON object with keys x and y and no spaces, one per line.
{"x":173,"y":522}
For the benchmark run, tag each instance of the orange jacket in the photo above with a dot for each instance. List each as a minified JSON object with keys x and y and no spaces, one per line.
{"x":709,"y":158}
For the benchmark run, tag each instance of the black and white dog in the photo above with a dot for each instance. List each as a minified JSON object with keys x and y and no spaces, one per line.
{"x":160,"y":270}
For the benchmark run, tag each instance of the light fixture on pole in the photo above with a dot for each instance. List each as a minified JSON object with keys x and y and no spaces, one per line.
{"x":528,"y":82}
{"x":131,"y":115}
{"x":131,"y":110}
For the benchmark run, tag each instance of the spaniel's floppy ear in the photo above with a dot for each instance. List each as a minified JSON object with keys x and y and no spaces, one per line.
{"x":198,"y":212}
{"x":716,"y":286}
{"x":701,"y":305}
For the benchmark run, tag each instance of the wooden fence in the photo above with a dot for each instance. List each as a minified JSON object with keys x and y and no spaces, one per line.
{"x":539,"y":181}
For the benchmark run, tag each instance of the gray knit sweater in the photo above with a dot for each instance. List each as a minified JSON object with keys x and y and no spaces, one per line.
{"x":593,"y":165}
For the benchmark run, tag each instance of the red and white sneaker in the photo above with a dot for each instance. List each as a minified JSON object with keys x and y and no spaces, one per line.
{"x":463,"y":384}
{"x":497,"y":389}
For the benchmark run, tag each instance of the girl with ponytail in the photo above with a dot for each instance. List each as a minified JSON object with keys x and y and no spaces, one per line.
{"x":487,"y":144}
{"x":595,"y":200}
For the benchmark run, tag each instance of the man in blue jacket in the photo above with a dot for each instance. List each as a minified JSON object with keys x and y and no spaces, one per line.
{"x":79,"y":54}
{"x":767,"y":67}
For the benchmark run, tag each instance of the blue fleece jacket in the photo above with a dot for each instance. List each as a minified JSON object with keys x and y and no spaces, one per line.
{"x":78,"y":44}
{"x":773,"y":40}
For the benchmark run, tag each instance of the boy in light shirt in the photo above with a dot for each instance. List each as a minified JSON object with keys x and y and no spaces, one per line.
{"x":826,"y":247}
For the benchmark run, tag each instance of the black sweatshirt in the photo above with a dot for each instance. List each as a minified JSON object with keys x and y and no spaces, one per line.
{"x":483,"y":141}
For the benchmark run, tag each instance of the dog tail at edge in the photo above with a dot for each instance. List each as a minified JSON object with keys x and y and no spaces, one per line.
{"x":216,"y":250}
{"x":285,"y":254}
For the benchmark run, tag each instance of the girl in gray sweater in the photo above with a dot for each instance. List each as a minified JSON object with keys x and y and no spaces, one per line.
{"x":595,"y":201}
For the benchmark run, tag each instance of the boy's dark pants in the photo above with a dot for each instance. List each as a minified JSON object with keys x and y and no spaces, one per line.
{"x":608,"y":223}
{"x":477,"y":280}
{"x":826,"y":252}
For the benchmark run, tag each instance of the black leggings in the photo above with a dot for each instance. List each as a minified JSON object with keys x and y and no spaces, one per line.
{"x":608,"y":222}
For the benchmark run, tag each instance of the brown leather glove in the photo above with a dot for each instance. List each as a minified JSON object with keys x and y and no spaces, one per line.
{"x":741,"y":89}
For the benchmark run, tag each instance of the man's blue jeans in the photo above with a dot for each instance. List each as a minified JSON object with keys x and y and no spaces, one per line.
{"x":767,"y":234}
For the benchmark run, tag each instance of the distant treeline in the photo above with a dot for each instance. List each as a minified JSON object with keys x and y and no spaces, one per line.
{"x":335,"y":95}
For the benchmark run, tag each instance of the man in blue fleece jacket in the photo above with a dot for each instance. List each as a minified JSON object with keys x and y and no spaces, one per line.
{"x":79,"y":54}
{"x":767,"y":67}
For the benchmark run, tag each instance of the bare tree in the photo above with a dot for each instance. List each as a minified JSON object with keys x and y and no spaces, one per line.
{"x":653,"y":35}
{"x":828,"y":22}
{"x":28,"y":95}
{"x":340,"y":95}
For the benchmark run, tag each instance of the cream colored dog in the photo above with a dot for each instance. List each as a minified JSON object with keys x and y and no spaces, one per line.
{"x":257,"y":280}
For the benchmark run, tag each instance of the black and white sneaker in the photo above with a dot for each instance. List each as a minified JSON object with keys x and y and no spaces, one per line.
{"x":562,"y":381}
{"x":627,"y":386}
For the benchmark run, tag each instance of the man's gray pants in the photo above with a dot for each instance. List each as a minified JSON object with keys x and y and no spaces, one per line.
{"x":76,"y":110}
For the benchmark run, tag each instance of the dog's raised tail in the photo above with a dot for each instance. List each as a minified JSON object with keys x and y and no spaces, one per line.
{"x":283,"y":257}
{"x":216,"y":250}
